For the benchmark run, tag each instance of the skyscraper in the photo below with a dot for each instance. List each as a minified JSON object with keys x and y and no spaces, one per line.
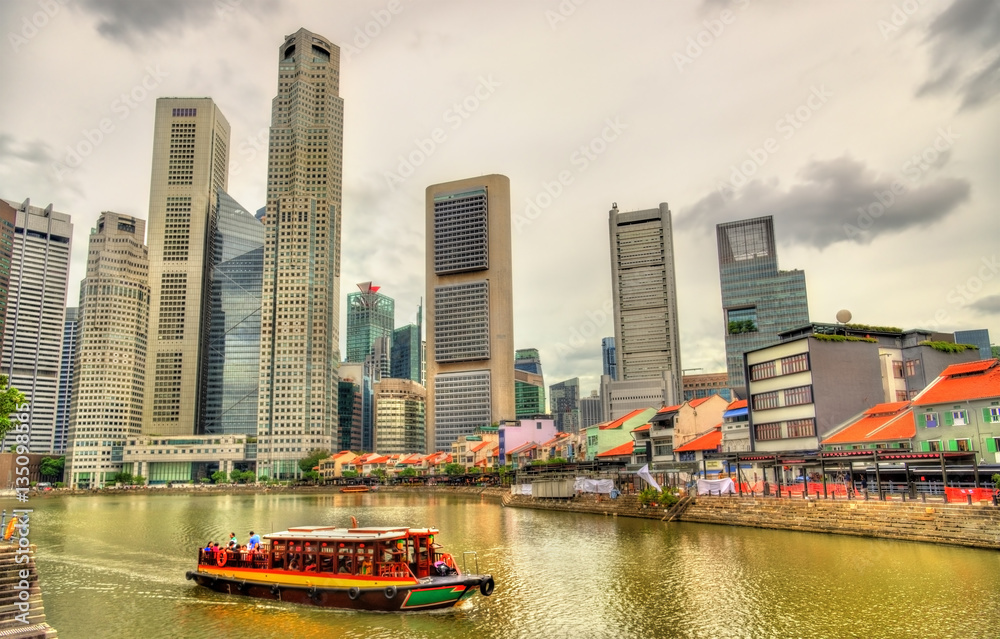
{"x":190,"y":166}
{"x":399,"y":416}
{"x":70,"y":331}
{"x":527,"y":359}
{"x":979,"y":337}
{"x":608,"y":356}
{"x":300,"y":317}
{"x":470,"y":328}
{"x":758,"y":300}
{"x":644,"y":291}
{"x":591,"y":410}
{"x":8,"y":217}
{"x":407,"y":352}
{"x":350,"y":407}
{"x":529,"y":384}
{"x":564,"y":404}
{"x":109,"y":376}
{"x":36,"y":309}
{"x":234,"y":321}
{"x":371,"y":317}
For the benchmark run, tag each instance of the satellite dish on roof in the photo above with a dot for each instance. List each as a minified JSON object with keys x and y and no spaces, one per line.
{"x":844,"y":316}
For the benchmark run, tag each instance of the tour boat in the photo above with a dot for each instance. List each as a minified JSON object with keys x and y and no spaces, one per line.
{"x":370,"y":568}
{"x":355,"y":489}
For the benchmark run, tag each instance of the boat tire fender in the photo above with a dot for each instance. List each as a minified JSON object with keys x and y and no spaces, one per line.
{"x":189,"y":575}
{"x":275,"y":590}
{"x":242,"y":586}
{"x":314,"y":593}
{"x":353,"y":592}
{"x":390,"y":592}
{"x":486,"y":587}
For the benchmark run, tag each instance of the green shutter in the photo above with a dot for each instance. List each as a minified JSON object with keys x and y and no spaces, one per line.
{"x":925,"y":447}
{"x":991,"y":444}
{"x":922,"y":420}
{"x":953,"y":445}
{"x":948,"y":418}
{"x":987,"y":418}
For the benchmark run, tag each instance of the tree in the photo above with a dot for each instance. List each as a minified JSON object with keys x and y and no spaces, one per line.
{"x":263,"y":479}
{"x":311,"y":475}
{"x":408,"y":472}
{"x":307,"y":463}
{"x":349,"y":474}
{"x":52,"y":467}
{"x":380,"y":474}
{"x":138,"y":480}
{"x":205,"y":480}
{"x":454,"y":469}
{"x":11,"y":400}
{"x":218,"y":477}
{"x":248,"y":476}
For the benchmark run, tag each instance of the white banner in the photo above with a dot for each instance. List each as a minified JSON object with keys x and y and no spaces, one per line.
{"x":716,"y":486}
{"x":585,"y":485}
{"x":644,"y":473}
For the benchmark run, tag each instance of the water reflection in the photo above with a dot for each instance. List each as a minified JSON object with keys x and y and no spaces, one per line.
{"x":114,"y":567}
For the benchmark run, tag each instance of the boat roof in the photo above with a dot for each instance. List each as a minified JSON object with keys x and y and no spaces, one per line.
{"x":368,"y":533}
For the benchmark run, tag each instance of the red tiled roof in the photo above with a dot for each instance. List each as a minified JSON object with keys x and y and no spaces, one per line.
{"x":694,"y":403}
{"x":621,"y":420}
{"x":882,"y":422}
{"x":619,"y":451}
{"x":478,"y":447}
{"x":958,"y":382}
{"x":555,"y":439}
{"x":523,"y":448}
{"x":706,"y":441}
{"x":669,"y":409}
{"x":643,"y":427}
{"x":739,"y":403}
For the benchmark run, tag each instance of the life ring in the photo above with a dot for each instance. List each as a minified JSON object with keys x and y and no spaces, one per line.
{"x":353,"y":592}
{"x":220,"y":558}
{"x":354,"y":521}
{"x":486,"y":587}
{"x":390,"y":592}
{"x":9,"y":531}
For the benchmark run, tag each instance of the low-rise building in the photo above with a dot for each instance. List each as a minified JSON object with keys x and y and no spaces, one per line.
{"x":960,"y":411}
{"x":736,"y":428}
{"x":333,"y":467}
{"x":608,"y":435}
{"x":883,"y":426}
{"x":696,"y":449}
{"x":187,"y":458}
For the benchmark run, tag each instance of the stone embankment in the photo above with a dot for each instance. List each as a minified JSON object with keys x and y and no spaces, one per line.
{"x":21,"y":616}
{"x":975,"y":526}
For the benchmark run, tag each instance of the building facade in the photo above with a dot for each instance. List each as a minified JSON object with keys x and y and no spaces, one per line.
{"x":528,"y":360}
{"x":8,"y":219}
{"x":564,"y":405}
{"x":70,"y":331}
{"x":407,"y":350}
{"x":470,"y":330}
{"x":608,"y":355}
{"x":109,"y":375}
{"x":300,"y":314}
{"x":36,"y":310}
{"x":980,"y":337}
{"x":190,"y":166}
{"x":758,"y":300}
{"x":529,"y":394}
{"x":644,"y":291}
{"x":233,"y":371}
{"x":349,"y":408}
{"x":399,"y":416}
{"x":706,"y":385}
{"x":371,"y":317}
{"x":624,"y":396}
{"x":591,"y":410}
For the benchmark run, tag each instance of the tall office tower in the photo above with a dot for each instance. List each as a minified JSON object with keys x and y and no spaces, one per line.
{"x":470,"y":328}
{"x":36,"y":308}
{"x":350,"y":408}
{"x":371,"y":316}
{"x":564,"y":404}
{"x":190,"y":166}
{"x":234,"y":321}
{"x":399,"y":416}
{"x":758,"y":300}
{"x":608,"y":357}
{"x":980,"y":337}
{"x":591,"y":413}
{"x":644,"y":290}
{"x":70,"y":330}
{"x":527,"y":359}
{"x":8,"y":217}
{"x":407,"y":351}
{"x":110,"y":370}
{"x":300,"y":318}
{"x":529,"y":394}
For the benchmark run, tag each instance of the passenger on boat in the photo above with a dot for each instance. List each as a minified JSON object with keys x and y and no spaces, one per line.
{"x":254,"y":542}
{"x":232,"y":540}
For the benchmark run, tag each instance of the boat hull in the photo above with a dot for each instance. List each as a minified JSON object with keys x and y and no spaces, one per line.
{"x":429,"y":594}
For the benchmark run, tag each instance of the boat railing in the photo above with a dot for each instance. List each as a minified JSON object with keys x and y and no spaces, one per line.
{"x":399,"y":569}
{"x":475,"y":559}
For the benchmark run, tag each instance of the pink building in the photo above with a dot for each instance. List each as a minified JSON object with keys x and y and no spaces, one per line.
{"x":515,"y":434}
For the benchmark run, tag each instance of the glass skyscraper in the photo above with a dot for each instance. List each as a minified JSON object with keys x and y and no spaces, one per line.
{"x":527,"y":359}
{"x":758,"y":300}
{"x":407,"y":352}
{"x":608,"y":357}
{"x":370,"y":317}
{"x":234,"y":322}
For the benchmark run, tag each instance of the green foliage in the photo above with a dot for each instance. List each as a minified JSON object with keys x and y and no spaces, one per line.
{"x":218,"y":477}
{"x":666,"y":497}
{"x":877,"y":329}
{"x":558,"y":460}
{"x":263,"y":479}
{"x":138,"y":480}
{"x":380,"y":474}
{"x":742,"y":326}
{"x":122,"y":478}
{"x":205,"y":480}
{"x":52,"y":466}
{"x":349,"y":474}
{"x":454,"y":469}
{"x":60,"y":484}
{"x":311,"y":475}
{"x":948,"y":347}
{"x":408,"y":472}
{"x":539,"y":462}
{"x":10,"y":400}
{"x":504,"y":470}
{"x":307,"y":463}
{"x":843,"y":338}
{"x":996,"y":351}
{"x":996,"y":480}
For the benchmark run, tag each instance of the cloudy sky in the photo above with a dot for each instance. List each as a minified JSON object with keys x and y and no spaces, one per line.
{"x":868,"y":129}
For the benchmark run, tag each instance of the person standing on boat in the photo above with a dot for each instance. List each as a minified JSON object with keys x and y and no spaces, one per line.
{"x":233,"y":544}
{"x":254,"y":543}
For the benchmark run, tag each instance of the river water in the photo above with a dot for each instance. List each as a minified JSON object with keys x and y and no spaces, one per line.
{"x":113,"y":566}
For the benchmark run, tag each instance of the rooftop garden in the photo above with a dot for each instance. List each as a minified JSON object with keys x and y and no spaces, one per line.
{"x":948,"y":347}
{"x":843,"y":338}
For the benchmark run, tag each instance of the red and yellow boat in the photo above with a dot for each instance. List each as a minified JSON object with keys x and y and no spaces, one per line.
{"x":370,"y":568}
